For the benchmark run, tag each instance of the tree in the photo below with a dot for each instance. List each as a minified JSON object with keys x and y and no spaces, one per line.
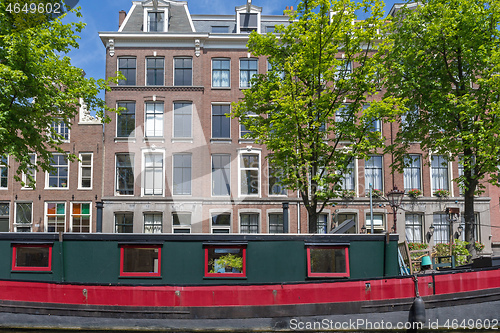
{"x":444,"y":67}
{"x":38,"y":85}
{"x":309,"y":109}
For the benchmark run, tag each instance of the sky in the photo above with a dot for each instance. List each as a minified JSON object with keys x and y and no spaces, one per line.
{"x":102,"y":15}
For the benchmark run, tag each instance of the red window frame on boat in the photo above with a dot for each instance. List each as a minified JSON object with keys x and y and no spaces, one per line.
{"x":156,"y":267}
{"x":344,"y":271}
{"x":213,"y":251}
{"x":26,"y":267}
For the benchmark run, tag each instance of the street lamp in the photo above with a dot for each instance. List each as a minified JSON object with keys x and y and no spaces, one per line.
{"x":395,"y":196}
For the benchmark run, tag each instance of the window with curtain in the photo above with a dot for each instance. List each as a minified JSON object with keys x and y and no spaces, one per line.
{"x":412,"y":173}
{"x":154,"y":119}
{"x":221,"y":73}
{"x":413,"y":228}
{"x":248,"y":68}
{"x":373,"y":172}
{"x":439,"y":170}
{"x":441,"y":228}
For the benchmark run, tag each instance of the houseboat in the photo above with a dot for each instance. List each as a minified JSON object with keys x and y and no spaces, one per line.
{"x":229,"y":282}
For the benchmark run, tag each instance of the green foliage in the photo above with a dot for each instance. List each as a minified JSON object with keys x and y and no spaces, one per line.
{"x":347,"y":194}
{"x":442,"y":193}
{"x":227,"y":261}
{"x":442,"y":73}
{"x":377,"y":193}
{"x":37,"y":85}
{"x":414,"y":193}
{"x":298,"y":109}
{"x":417,"y":246}
{"x":478,"y":246}
{"x":458,"y":249}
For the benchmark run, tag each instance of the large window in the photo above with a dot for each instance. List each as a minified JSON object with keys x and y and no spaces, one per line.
{"x":221,"y":124}
{"x":183,"y":71}
{"x":249,"y":174}
{"x":182,"y":174}
{"x":127,"y":67}
{"x":125,"y":174}
{"x":4,"y":217}
{"x":60,"y":130}
{"x":181,"y":223}
{"x":140,"y":260}
{"x":125,"y":121}
{"x":27,"y":257}
{"x":248,"y":68}
{"x":248,"y":22}
{"x":155,"y":71}
{"x":327,"y":261}
{"x":275,"y":187}
{"x":227,"y":261}
{"x":276,"y":223}
{"x":85,"y":171}
{"x":4,"y":172}
{"x":153,"y":223}
{"x":154,"y":119}
{"x":81,"y":217}
{"x":439,"y":169}
{"x":378,"y":223}
{"x":221,"y":77}
{"x":347,"y":182}
{"x":412,"y":173}
{"x":156,"y":21}
{"x":322,"y":224}
{"x":56,"y":216}
{"x":124,"y":222}
{"x":183,"y":113}
{"x":413,"y":228}
{"x":221,"y":174}
{"x":221,"y":223}
{"x":58,"y":177}
{"x":24,"y":217}
{"x":153,"y":174}
{"x":31,"y":173}
{"x":441,"y":228}
{"x":373,"y":172}
{"x":249,"y":223}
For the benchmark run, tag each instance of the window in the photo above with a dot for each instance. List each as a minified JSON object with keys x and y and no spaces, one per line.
{"x":60,"y":131}
{"x":4,"y":172}
{"x":347,"y":181}
{"x":85,"y":171}
{"x":220,"y":30}
{"x":155,"y":21}
{"x":275,"y":187}
{"x":322,"y":224}
{"x":342,"y":217}
{"x":376,"y":126}
{"x":153,"y":174}
{"x":154,"y":71}
{"x":4,"y":217}
{"x":154,"y":119}
{"x":249,"y":174}
{"x":276,"y":223}
{"x":127,"y":67}
{"x":378,"y":223}
{"x":476,"y":229}
{"x":327,"y":261}
{"x":182,"y":174}
{"x":248,"y":68}
{"x":227,"y":261}
{"x":125,"y":174}
{"x":24,"y":217}
{"x":181,"y":223}
{"x":221,"y":128}
{"x":248,"y":22}
{"x":439,"y":170}
{"x":344,"y":69}
{"x":243,"y":130}
{"x":140,"y":260}
{"x":58,"y":178}
{"x":413,"y":228}
{"x":32,"y":257}
{"x":270,"y":28}
{"x":409,"y":118}
{"x":249,"y":223}
{"x":182,"y":119}
{"x":183,"y":71}
{"x":56,"y":216}
{"x":153,"y":223}
{"x":441,"y":228}
{"x":124,"y":222}
{"x":31,"y":173}
{"x":221,"y":174}
{"x":460,"y":174}
{"x":221,"y":223}
{"x":373,"y":172}
{"x":221,"y":77}
{"x":125,"y":121}
{"x":80,"y":217}
{"x":412,"y":172}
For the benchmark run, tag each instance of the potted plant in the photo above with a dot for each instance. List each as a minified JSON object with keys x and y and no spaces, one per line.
{"x":414,"y":193}
{"x":478,"y":246}
{"x":377,"y":193}
{"x":441,"y":193}
{"x":348,"y":194}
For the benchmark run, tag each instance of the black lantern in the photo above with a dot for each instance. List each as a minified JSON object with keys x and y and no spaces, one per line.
{"x":395,"y":196}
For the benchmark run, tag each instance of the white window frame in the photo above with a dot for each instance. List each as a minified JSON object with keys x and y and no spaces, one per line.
{"x":173,"y":71}
{"x":132,"y":157}
{"x":118,"y":69}
{"x":367,"y":184}
{"x":221,"y":212}
{"x":173,"y":121}
{"x":411,"y":156}
{"x":25,"y":177}
{"x":173,"y":175}
{"x":276,"y":211}
{"x":212,"y":174}
{"x":182,"y":226}
{"x":73,"y":215}
{"x":212,"y":120}
{"x":146,"y":71}
{"x":143,"y":171}
{"x":132,"y":134}
{"x":60,"y":123}
{"x":250,"y":77}
{"x":67,"y":180}
{"x":158,"y":119}
{"x":80,"y":171}
{"x":146,"y":18}
{"x":243,"y":10}
{"x":46,"y":215}
{"x":154,"y":224}
{"x":6,"y":166}
{"x":212,"y":73}
{"x":16,"y":225}
{"x":285,"y":194}
{"x":251,"y":212}
{"x":450,"y":174}
{"x":375,"y":226}
{"x":249,"y":151}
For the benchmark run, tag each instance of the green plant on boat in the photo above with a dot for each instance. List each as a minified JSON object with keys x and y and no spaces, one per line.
{"x":226,"y":263}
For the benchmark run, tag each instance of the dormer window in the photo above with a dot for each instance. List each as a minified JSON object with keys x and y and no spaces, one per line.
{"x":155,"y":21}
{"x":248,"y":18}
{"x":248,"y":22}
{"x":155,"y":16}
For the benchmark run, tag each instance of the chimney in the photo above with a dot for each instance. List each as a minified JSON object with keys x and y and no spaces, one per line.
{"x":122,"y":14}
{"x":286,"y":8}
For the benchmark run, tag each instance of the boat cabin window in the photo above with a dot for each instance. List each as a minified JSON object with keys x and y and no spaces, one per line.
{"x":31,"y":257}
{"x":140,"y":260}
{"x":327,"y":261}
{"x":225,"y":261}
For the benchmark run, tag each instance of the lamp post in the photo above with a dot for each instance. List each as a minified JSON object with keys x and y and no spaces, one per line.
{"x":395,"y":196}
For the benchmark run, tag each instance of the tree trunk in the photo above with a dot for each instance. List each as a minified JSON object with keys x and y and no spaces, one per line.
{"x":469,"y":214}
